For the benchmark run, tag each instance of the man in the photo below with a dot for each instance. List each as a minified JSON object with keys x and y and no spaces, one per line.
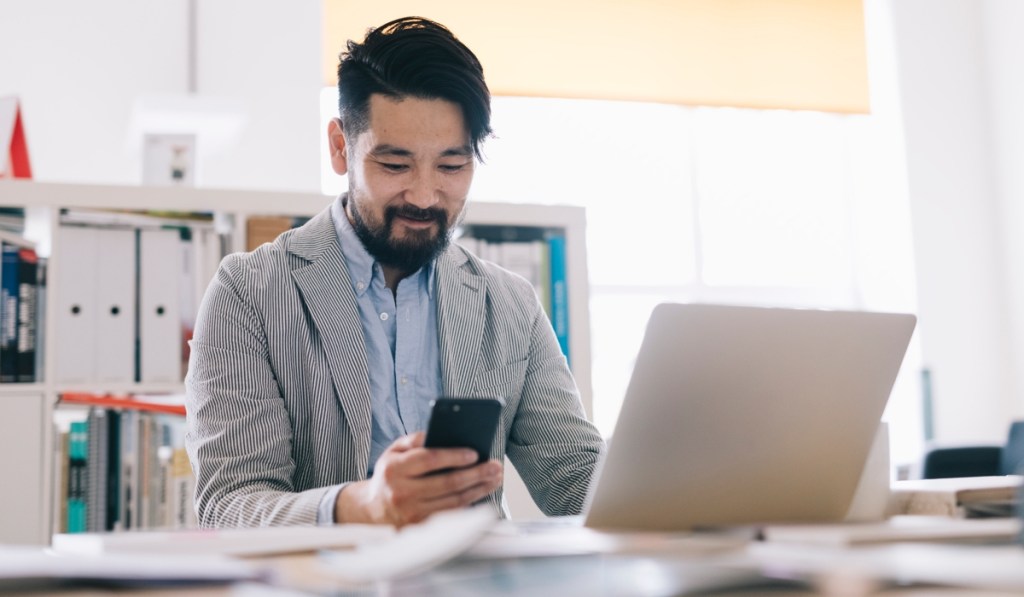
{"x":315,"y":357}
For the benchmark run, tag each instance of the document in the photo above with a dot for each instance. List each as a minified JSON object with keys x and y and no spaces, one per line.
{"x":224,"y":542}
{"x":412,"y":549}
{"x":962,"y":496}
{"x":33,"y":567}
{"x":897,"y":529}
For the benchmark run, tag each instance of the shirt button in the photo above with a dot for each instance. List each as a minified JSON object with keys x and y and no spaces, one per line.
{"x":404,"y":380}
{"x":383,"y":316}
{"x":360,"y":286}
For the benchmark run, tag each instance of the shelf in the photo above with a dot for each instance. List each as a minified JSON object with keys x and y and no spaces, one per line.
{"x":31,"y":410}
{"x":120,"y":388}
{"x":28,"y":193}
{"x":7,"y":389}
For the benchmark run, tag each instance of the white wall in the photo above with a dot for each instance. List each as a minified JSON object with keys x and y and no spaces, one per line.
{"x":953,"y":111}
{"x":1004,"y":44}
{"x":80,"y":66}
{"x":266,"y":55}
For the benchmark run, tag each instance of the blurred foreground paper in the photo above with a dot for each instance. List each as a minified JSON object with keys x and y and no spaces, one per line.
{"x":413,"y":549}
{"x":227,"y":542}
{"x":29,"y":567}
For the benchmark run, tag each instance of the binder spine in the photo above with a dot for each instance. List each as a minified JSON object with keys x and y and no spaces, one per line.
{"x":28,"y":304}
{"x":78,"y":449}
{"x":559,"y":293}
{"x":9,"y":280}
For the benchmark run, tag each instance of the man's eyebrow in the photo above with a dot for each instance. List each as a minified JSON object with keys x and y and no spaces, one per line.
{"x":385,"y":149}
{"x":391,"y":150}
{"x":464,"y":151}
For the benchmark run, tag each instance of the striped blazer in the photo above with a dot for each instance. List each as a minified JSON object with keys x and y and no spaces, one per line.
{"x":278,"y":395}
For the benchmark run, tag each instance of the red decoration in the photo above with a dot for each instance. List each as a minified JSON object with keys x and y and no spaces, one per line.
{"x":16,"y":149}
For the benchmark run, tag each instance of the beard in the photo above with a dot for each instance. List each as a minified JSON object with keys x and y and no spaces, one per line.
{"x":408,"y":254}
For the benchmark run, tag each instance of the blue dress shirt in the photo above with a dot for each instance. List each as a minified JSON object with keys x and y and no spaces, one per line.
{"x":402,"y":349}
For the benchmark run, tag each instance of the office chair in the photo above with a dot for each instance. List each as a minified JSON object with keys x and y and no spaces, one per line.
{"x":1012,"y":458}
{"x":977,"y":461}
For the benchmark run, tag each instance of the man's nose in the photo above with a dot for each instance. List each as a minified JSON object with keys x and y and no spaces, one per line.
{"x":424,"y":191}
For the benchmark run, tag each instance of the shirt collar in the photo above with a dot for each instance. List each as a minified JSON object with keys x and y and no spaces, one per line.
{"x":361,"y":265}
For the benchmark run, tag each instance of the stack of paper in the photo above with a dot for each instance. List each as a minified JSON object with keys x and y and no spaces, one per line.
{"x":962,"y":496}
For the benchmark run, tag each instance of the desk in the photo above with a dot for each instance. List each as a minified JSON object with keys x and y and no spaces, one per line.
{"x":644,"y":574}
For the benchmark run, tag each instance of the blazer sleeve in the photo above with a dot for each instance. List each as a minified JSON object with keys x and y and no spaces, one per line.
{"x":552,"y":444}
{"x":239,"y":436}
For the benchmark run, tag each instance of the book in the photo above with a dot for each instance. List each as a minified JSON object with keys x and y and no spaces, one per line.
{"x":112,"y":503}
{"x":78,"y":449}
{"x":60,"y":469}
{"x":41,"y":300}
{"x":123,"y":218}
{"x":28,"y":304}
{"x":96,"y":466}
{"x":10,"y":266}
{"x":559,"y":292}
{"x":135,"y":462}
{"x":181,"y":486}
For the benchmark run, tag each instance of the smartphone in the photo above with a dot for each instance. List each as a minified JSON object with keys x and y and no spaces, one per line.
{"x":464,"y":423}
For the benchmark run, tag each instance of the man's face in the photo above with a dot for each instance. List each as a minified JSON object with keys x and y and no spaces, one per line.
{"x":408,"y":175}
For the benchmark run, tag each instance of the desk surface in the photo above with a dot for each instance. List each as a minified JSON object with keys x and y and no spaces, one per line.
{"x":645,"y":564}
{"x":567,"y":576}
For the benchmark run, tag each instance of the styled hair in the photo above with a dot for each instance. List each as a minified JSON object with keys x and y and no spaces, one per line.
{"x":416,"y":57}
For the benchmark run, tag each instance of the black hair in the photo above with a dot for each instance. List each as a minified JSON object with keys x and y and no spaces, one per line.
{"x":417,"y":57}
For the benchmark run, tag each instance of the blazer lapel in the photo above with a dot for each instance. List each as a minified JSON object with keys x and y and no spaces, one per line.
{"x":326,"y":290}
{"x":460,"y":319}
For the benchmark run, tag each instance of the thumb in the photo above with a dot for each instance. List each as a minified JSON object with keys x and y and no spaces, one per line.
{"x":408,"y":442}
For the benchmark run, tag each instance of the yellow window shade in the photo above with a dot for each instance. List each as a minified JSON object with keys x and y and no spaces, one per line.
{"x":794,"y":54}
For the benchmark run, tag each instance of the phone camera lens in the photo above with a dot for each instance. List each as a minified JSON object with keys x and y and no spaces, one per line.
{"x":455,"y":407}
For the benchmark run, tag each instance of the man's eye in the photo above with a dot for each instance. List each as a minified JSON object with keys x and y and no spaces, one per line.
{"x":393,"y":167}
{"x":452,"y":167}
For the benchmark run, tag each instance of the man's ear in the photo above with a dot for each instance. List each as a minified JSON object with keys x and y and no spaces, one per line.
{"x":336,"y":146}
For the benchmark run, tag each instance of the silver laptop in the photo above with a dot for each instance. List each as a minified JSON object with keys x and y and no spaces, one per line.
{"x":743,"y":415}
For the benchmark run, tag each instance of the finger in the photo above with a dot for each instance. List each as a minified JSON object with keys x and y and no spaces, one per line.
{"x":466,"y":497}
{"x":458,"y":481}
{"x":417,"y":438}
{"x":414,"y":505}
{"x":407,"y":442}
{"x":420,"y":461}
{"x":424,"y":509}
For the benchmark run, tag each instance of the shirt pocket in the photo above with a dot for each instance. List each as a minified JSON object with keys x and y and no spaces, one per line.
{"x":505,"y":382}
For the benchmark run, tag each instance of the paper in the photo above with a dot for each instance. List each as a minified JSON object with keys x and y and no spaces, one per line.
{"x":897,"y":528}
{"x":971,"y":566}
{"x":30,"y":566}
{"x":233,"y":542}
{"x":532,"y":540}
{"x":413,"y":549}
{"x":955,"y":496}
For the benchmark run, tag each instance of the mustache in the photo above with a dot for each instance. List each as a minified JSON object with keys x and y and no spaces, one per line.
{"x":415,"y":213}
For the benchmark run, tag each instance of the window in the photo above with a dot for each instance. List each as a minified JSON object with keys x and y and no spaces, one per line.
{"x":717,"y":205}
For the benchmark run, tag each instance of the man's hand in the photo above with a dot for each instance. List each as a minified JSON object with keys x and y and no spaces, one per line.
{"x":401,"y":492}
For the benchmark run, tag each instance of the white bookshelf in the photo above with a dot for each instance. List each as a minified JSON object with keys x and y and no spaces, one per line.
{"x":27,"y":410}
